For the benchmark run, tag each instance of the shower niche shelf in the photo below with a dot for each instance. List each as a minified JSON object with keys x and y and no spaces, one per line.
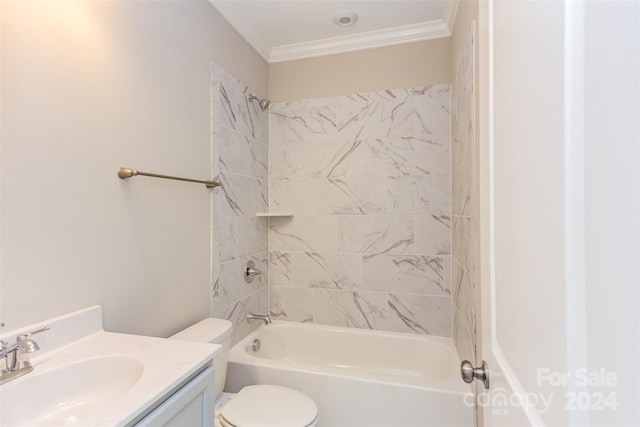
{"x":274,"y":214}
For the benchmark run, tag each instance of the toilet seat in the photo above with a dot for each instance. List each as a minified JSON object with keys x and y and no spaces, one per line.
{"x":269,"y":406}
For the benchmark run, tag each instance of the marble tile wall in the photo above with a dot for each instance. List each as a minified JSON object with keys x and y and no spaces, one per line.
{"x":240,"y":158}
{"x":463,"y":199}
{"x":368,"y":177}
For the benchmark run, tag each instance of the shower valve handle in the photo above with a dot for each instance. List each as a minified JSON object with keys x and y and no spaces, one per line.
{"x":250,"y":271}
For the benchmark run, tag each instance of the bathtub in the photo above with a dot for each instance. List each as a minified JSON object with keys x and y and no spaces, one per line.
{"x":357,"y":377}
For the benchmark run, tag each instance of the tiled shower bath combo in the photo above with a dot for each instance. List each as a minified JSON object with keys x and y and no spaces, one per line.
{"x":359,"y":239}
{"x":367,"y":178}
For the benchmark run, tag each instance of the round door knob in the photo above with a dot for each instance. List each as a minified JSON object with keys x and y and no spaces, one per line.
{"x":469,"y":373}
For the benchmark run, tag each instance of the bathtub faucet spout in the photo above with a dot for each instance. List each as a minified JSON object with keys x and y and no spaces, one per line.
{"x":264,"y":317}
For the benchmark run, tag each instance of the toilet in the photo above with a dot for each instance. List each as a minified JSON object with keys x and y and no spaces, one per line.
{"x":256,"y":405}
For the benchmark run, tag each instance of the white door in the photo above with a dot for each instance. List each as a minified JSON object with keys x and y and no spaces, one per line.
{"x":559,"y":211}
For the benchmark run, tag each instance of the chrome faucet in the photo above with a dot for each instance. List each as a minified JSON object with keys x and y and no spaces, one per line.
{"x":264,"y":317}
{"x":14,"y":367}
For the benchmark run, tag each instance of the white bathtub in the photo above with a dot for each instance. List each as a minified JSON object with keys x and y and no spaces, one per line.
{"x":357,"y":377}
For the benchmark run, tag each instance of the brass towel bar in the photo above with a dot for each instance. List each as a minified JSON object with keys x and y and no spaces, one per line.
{"x":124,"y":173}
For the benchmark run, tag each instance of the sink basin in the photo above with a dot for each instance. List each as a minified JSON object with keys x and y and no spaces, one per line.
{"x":85,"y":376}
{"x":69,"y":394}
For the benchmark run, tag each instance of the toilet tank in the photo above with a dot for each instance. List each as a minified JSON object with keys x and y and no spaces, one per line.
{"x":213,"y":331}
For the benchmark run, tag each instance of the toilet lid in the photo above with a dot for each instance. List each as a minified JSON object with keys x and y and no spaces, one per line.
{"x":270,"y":406}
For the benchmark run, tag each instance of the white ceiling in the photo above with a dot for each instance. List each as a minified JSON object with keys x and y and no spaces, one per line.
{"x":283,"y":30}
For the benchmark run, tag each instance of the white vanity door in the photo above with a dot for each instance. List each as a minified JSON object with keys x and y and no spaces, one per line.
{"x":192,"y":405}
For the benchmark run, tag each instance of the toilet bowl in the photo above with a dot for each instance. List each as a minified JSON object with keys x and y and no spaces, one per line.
{"x":256,"y":405}
{"x":269,"y":406}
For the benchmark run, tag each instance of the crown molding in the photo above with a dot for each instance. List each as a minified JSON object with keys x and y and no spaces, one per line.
{"x":361,"y":41}
{"x":449,"y":13}
{"x":431,"y":30}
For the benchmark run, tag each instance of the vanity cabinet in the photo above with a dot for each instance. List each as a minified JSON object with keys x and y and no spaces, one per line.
{"x":191,"y":405}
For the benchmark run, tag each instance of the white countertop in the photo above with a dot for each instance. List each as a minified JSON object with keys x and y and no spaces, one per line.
{"x":167,"y":364}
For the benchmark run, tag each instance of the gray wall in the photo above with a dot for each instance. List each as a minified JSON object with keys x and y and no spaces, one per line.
{"x":88,"y":87}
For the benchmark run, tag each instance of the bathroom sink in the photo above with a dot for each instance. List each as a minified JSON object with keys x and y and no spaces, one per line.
{"x":85,"y":376}
{"x":69,"y":394}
